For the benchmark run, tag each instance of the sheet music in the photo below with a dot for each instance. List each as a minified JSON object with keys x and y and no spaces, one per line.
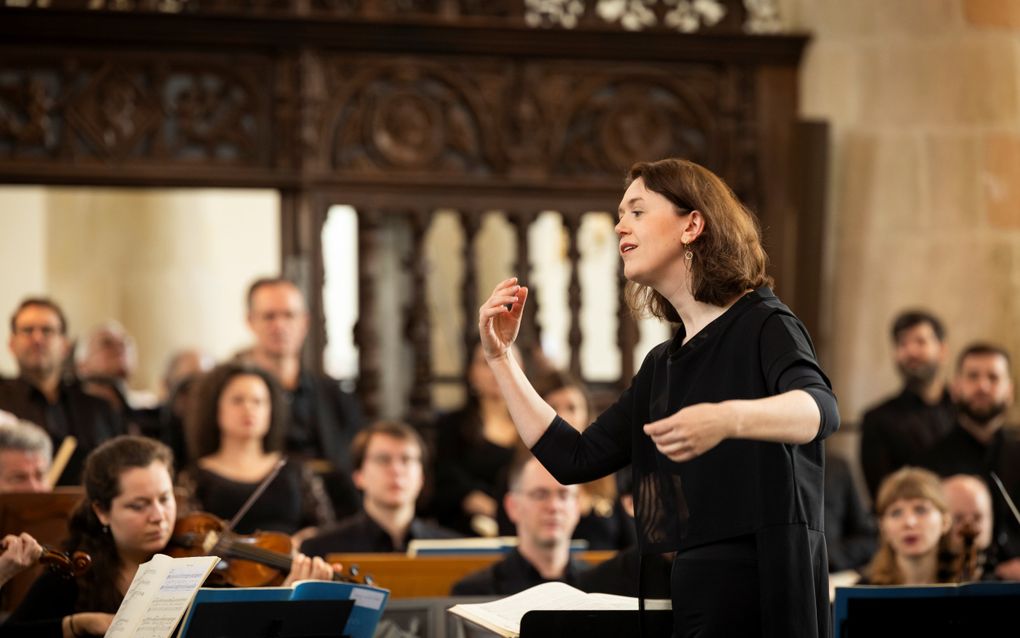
{"x":159,"y":595}
{"x":507,"y":613}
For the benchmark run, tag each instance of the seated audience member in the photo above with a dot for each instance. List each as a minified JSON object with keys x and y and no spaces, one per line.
{"x":604,"y":524}
{"x":236,"y":431}
{"x":388,"y":460}
{"x":19,"y":553}
{"x":108,"y":354}
{"x":970,"y":505}
{"x":981,"y":443}
{"x":850,"y":535}
{"x":40,"y":394}
{"x":475,"y":446}
{"x":545,"y":513}
{"x":322,"y":417}
{"x":629,"y":573}
{"x":913,"y":521}
{"x":126,"y":517}
{"x":183,"y":370}
{"x":25,"y":455}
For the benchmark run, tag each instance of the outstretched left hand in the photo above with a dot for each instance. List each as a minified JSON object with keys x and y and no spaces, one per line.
{"x":692,"y":431}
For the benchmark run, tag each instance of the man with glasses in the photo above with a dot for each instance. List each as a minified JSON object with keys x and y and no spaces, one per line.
{"x":545,"y":514}
{"x":388,"y":459}
{"x":41,"y":395}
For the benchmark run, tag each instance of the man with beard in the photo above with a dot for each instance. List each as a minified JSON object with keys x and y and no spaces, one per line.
{"x":979,"y":444}
{"x":901,"y":429}
{"x":39,"y":343}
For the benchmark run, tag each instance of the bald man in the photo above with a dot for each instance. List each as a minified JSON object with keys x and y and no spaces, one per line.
{"x":970,"y":504}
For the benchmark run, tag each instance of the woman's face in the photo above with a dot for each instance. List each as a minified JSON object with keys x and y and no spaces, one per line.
{"x":571,"y":405}
{"x":141,"y":517}
{"x":913,"y":526}
{"x":651,"y":237}
{"x":245,"y":408}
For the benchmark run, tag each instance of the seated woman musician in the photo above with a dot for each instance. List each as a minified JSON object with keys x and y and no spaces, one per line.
{"x":236,"y":433}
{"x":914,"y":521}
{"x":127,"y":516}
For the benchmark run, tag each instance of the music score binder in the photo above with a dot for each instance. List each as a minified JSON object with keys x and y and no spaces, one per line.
{"x":270,"y":619}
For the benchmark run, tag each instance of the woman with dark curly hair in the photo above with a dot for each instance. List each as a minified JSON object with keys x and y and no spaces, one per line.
{"x":236,"y":436}
{"x":127,"y":516}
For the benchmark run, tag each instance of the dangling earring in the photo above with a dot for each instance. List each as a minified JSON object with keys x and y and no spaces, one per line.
{"x":106,"y":529}
{"x":688,"y":254}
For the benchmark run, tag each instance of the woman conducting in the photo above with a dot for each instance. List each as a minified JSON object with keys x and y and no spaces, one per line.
{"x":723,"y":423}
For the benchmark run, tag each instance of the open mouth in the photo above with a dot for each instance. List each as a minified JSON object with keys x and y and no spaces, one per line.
{"x":626,"y":248}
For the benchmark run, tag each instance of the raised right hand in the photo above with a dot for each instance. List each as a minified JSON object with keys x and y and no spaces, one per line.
{"x":497,"y":324}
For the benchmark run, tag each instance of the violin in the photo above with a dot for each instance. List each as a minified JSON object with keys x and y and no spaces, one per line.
{"x":254,"y":560}
{"x":967,"y":563}
{"x":68,"y":566}
{"x":62,"y":563}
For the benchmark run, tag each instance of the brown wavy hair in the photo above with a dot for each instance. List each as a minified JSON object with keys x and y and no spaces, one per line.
{"x":728,"y":255}
{"x":101,"y":479}
{"x":202,"y":426}
{"x":905,"y":483}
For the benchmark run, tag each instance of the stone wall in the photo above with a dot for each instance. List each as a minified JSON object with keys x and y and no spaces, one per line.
{"x":923,"y":97}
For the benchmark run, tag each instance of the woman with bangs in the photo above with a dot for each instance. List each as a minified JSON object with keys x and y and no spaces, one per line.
{"x":723,"y":424}
{"x":914,"y":521}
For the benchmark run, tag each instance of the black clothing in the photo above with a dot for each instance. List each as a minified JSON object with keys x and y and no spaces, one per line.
{"x":850,"y":533}
{"x":41,"y":612}
{"x":961,"y":453}
{"x":619,"y":575}
{"x":899,"y":431}
{"x":511,"y":575}
{"x":607,"y":530}
{"x":89,"y":419}
{"x":465,"y":461}
{"x":719,"y":585}
{"x":360,"y":533}
{"x":294,"y":499}
{"x":757,"y":348}
{"x":323,"y":421}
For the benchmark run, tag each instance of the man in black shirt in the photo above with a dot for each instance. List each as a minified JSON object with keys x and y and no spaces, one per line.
{"x":901,"y":429}
{"x":545,"y":514}
{"x":980,"y":444}
{"x":323,"y":417}
{"x":39,"y":343}
{"x":389,"y":459}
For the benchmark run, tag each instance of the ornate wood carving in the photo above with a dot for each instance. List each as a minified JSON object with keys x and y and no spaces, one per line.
{"x":417,"y":327}
{"x":402,"y":105}
{"x":365,"y":333}
{"x":471,"y":222}
{"x":572,"y":222}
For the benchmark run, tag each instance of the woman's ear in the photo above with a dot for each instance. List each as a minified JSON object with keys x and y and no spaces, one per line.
{"x":104,"y":517}
{"x":695,"y":226}
{"x":947,"y":523}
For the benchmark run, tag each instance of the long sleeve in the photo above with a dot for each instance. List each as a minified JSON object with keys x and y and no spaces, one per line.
{"x":41,"y":612}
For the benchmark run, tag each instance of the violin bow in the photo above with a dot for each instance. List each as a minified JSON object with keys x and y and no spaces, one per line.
{"x":1005,"y":496}
{"x":256,"y":494}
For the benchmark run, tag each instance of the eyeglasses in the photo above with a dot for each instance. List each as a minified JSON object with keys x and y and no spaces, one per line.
{"x":387,"y":459}
{"x":47,"y":331}
{"x":541,"y":495}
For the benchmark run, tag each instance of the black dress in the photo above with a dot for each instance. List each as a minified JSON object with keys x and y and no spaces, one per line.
{"x":465,"y":462}
{"x":295,"y":499}
{"x":759,"y":501}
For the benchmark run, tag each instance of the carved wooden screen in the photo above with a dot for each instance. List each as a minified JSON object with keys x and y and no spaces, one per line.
{"x":404,"y":108}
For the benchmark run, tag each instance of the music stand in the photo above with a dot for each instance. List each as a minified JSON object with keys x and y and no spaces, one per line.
{"x":596,"y":623}
{"x":270,"y":619}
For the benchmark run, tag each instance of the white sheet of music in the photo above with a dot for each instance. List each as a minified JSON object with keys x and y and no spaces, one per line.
{"x":160,"y":593}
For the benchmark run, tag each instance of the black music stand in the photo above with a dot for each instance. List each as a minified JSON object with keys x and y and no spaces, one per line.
{"x":270,"y":619}
{"x":596,"y":623}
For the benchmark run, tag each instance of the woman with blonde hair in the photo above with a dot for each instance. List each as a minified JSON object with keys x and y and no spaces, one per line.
{"x":913,"y":520}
